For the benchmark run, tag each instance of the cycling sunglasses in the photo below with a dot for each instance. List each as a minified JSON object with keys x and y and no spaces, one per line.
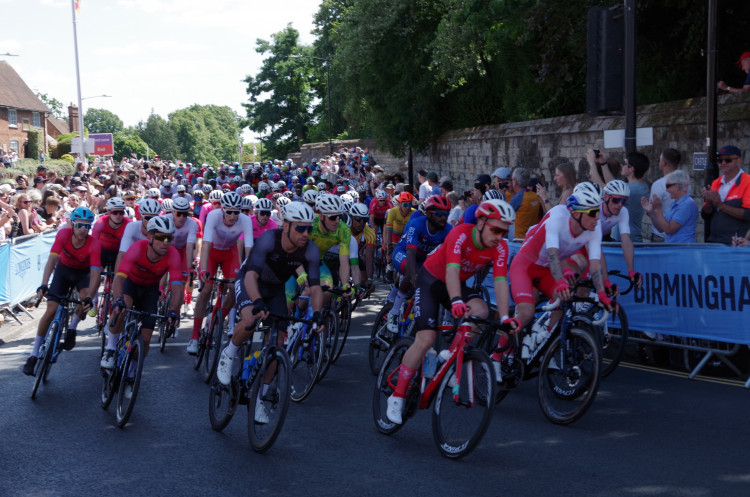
{"x":232,"y":213}
{"x":303,"y":229}
{"x":148,"y":218}
{"x":181,"y":214}
{"x":334,"y":217}
{"x":245,"y":211}
{"x":406,"y":204}
{"x":498,"y":231}
{"x":618,"y":200}
{"x":439,"y":213}
{"x":82,"y":226}
{"x":361,"y":219}
{"x":130,"y":197}
{"x":264,"y":213}
{"x":591,"y":212}
{"x":116,"y":213}
{"x":163,"y":237}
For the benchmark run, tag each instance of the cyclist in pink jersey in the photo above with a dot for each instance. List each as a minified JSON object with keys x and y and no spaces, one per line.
{"x":214,"y":202}
{"x":136,"y":284}
{"x":542,"y":261}
{"x":75,"y":259}
{"x":221,"y":235}
{"x":262,"y":221}
{"x":467,"y":249}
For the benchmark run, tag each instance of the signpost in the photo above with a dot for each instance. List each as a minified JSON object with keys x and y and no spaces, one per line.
{"x":103,"y":143}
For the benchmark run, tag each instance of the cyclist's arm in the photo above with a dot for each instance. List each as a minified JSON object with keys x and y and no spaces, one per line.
{"x":628,"y":252}
{"x":117,"y":285}
{"x":343,"y":268}
{"x":370,"y":261}
{"x":597,"y":276}
{"x":251,"y":285}
{"x":189,"y":256}
{"x":316,"y":298}
{"x":205,"y":249}
{"x":49,"y":267}
{"x":411,"y":264}
{"x":94,"y":279}
{"x":452,"y":281}
{"x":177,"y":298}
{"x":553,"y":257}
{"x":502,"y":296}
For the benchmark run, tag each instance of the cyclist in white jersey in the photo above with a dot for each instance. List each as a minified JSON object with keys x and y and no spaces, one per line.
{"x":137,"y":231}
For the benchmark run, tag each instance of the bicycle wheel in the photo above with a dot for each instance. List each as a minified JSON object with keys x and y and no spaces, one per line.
{"x":162,"y":323}
{"x":462,"y":411}
{"x":134,"y":354}
{"x":343,"y":323}
{"x":44,"y":358}
{"x":104,"y":309}
{"x":380,"y":339}
{"x":110,"y":385}
{"x":199,"y":356}
{"x":223,"y":399}
{"x":329,"y":339}
{"x":213,"y":347}
{"x":613,"y":338}
{"x":567,"y":388}
{"x":268,"y":403}
{"x":386,"y":384}
{"x":306,"y":358}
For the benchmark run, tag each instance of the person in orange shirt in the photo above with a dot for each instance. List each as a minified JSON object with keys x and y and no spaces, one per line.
{"x":526,"y":202}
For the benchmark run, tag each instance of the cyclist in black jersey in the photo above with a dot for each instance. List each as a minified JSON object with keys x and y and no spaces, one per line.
{"x":259,"y":286}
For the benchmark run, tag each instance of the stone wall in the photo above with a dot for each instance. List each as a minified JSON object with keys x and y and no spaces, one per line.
{"x":542,"y":144}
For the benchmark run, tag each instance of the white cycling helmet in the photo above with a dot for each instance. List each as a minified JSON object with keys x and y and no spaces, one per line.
{"x":246,"y":189}
{"x":166,"y":205}
{"x":115,"y":203}
{"x":166,"y":183}
{"x":617,"y":187}
{"x":359,"y":210}
{"x":262,"y":187}
{"x":263,"y":204}
{"x":149,"y":207}
{"x":330,"y":204}
{"x":231,"y":200}
{"x":282,"y":201}
{"x":215,"y":196}
{"x":153,"y":192}
{"x":297,"y":212}
{"x":161,"y":224}
{"x":381,"y":195}
{"x":310,"y":196}
{"x":496,"y":209}
{"x":281,"y":184}
{"x":322,"y":186}
{"x":181,"y":204}
{"x":586,"y":195}
{"x":207,"y":188}
{"x":492,"y":195}
{"x":247,"y":203}
{"x":181,"y":188}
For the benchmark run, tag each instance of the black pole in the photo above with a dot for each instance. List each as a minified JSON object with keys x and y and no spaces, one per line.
{"x":630,"y":115}
{"x":410,"y":170}
{"x":711,"y":60}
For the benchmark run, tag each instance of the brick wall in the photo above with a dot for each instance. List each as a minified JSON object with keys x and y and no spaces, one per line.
{"x":542,"y":144}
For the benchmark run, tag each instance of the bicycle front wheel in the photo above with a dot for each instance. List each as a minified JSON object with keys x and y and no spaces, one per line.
{"x":162,"y":323}
{"x":569,"y":376}
{"x":463,"y":406}
{"x":613,"y":338}
{"x":213,"y":346}
{"x":134,"y":355}
{"x":269,"y":400}
{"x":306,"y":358}
{"x":44,"y":359}
{"x":380,"y":339}
{"x":104,"y":309}
{"x":343,"y":324}
{"x":386,"y":384}
{"x":329,"y":339}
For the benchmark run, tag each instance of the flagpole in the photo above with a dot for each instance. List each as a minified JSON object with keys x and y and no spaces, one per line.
{"x":78,"y":80}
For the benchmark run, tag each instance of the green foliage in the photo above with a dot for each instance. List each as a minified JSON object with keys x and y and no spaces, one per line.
{"x":127,"y":144}
{"x":206,"y":133}
{"x":36,"y":142}
{"x":159,"y":136}
{"x":63,"y":146}
{"x":68,"y":158}
{"x":54,"y":105}
{"x":102,"y":121}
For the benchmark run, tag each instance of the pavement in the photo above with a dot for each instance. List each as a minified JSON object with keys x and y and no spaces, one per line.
{"x":11,"y":330}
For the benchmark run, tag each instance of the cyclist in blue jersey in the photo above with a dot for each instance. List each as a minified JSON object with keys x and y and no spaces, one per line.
{"x":421,"y":236}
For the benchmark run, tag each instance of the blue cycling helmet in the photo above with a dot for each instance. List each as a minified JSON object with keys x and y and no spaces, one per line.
{"x":82,"y":214}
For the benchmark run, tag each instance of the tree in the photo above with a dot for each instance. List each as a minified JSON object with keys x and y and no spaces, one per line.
{"x":127,"y":144}
{"x":279,"y":106}
{"x":206,"y":134}
{"x":54,"y":105}
{"x":159,"y":136}
{"x":102,"y":121}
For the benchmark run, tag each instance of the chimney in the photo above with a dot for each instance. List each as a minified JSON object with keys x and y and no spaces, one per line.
{"x":73,"y":118}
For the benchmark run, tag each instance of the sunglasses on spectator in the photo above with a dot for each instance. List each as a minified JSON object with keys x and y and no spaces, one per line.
{"x":181,"y":214}
{"x":591,"y":212}
{"x":303,"y":229}
{"x":726,"y":159}
{"x":334,"y":217}
{"x":498,"y":231}
{"x":163,"y":237}
{"x":25,"y":201}
{"x":264,"y":213}
{"x":439,"y":213}
{"x":232,"y":213}
{"x":82,"y":226}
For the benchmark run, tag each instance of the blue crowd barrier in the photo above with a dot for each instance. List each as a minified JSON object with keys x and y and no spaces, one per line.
{"x":22,"y":267}
{"x":689,"y":290}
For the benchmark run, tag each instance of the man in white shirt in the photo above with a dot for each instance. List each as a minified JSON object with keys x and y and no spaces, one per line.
{"x":669,"y":161}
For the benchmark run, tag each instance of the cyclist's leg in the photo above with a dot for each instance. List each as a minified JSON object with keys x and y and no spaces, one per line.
{"x":215,"y":257}
{"x":147,"y":301}
{"x":404,"y":285}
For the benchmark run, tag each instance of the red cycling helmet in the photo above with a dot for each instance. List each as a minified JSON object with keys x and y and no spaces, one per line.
{"x":437,"y":203}
{"x":405,"y":197}
{"x":496,"y":209}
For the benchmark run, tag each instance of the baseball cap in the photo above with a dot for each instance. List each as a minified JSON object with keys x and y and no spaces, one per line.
{"x":39,"y":179}
{"x":728,"y":150}
{"x":484,"y":178}
{"x":501,"y":172}
{"x":742,"y":57}
{"x":432,"y":176}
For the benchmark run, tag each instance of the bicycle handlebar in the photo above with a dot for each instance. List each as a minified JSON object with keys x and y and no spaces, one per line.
{"x":65,"y":300}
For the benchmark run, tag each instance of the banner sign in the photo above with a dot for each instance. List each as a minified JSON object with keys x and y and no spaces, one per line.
{"x":25,"y":267}
{"x":698,"y":291}
{"x":103,"y":143}
{"x":4,"y":257}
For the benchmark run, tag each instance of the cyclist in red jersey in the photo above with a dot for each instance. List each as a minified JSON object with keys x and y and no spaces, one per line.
{"x":108,"y":229}
{"x":136,"y":284}
{"x":467,"y":249}
{"x":379,"y":208}
{"x":75,"y":258}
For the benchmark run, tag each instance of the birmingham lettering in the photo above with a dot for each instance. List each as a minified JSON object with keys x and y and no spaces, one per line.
{"x":695,"y":291}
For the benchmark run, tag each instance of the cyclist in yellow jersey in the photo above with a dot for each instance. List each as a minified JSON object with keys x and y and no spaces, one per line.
{"x":366,"y":240}
{"x":329,"y":230}
{"x":395,"y":223}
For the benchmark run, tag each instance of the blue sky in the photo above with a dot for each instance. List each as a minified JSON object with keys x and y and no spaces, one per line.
{"x":147,"y":54}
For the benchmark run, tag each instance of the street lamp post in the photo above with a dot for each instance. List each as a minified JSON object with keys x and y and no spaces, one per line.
{"x":328,"y":91}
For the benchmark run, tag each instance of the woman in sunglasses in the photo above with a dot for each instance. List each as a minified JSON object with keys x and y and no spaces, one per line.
{"x":542,"y":261}
{"x":136,"y":286}
{"x":23,"y":211}
{"x":467,"y":249}
{"x":74,"y":257}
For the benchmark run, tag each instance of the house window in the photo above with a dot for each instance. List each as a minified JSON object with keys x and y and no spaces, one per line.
{"x":14,"y":144}
{"x":12,"y":118}
{"x":36,"y":121}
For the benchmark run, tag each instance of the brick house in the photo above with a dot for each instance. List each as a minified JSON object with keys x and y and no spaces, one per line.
{"x":20,"y":111}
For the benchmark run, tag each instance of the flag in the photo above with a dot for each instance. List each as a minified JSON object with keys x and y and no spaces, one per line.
{"x":255,"y":149}
{"x":77,"y":4}
{"x":133,"y":154}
